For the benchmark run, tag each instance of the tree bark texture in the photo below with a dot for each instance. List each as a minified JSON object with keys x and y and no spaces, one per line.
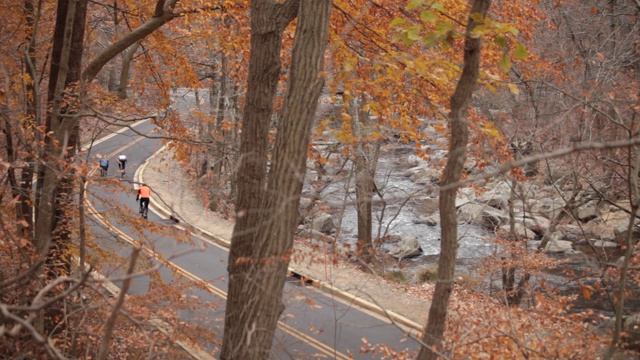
{"x":360,"y":126}
{"x":460,"y":100}
{"x":513,"y":294}
{"x":221,"y":144}
{"x":262,"y":246}
{"x":65,"y":70}
{"x":31,"y":121}
{"x":267,"y":25}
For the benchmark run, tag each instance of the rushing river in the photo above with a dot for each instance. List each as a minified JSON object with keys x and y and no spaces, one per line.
{"x":402,"y":197}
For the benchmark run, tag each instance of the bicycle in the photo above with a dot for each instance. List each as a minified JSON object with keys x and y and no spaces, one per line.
{"x":144,"y":196}
{"x":122,"y":163}
{"x":103,"y":172}
{"x":144,"y":207}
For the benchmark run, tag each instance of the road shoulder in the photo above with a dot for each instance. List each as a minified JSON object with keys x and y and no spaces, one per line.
{"x":174,"y":197}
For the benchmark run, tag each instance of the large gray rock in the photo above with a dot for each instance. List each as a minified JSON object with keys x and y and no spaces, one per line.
{"x":425,"y":175}
{"x":462,"y":201}
{"x":631,"y":326}
{"x":559,"y":246}
{"x":427,"y":206}
{"x":537,"y":223}
{"x":407,"y":247}
{"x":478,"y":214}
{"x":492,"y":217}
{"x":323,"y":222}
{"x":620,"y":232}
{"x":305,"y":205}
{"x":571,"y":232}
{"x":497,"y":197}
{"x":470,"y":213}
{"x":416,"y":161}
{"x":412,"y":171}
{"x":604,"y":250}
{"x":520,"y":230}
{"x":588,"y":211}
{"x":548,"y":207}
{"x":431,"y":220}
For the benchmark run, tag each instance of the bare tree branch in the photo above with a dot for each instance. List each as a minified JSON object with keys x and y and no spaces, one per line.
{"x":550,"y":155}
{"x":108,"y":328}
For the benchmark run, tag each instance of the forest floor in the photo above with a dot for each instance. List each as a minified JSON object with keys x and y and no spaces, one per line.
{"x":174,"y":193}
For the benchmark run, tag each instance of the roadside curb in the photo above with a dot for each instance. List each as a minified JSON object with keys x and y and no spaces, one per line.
{"x":165,"y":212}
{"x":345,"y":296}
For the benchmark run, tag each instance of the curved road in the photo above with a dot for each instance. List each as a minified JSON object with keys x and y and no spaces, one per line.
{"x":313,"y":324}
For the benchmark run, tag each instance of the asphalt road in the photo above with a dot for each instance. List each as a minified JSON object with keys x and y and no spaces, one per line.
{"x":314,"y":323}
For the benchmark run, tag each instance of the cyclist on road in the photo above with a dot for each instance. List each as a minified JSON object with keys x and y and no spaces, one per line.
{"x":104,"y":166}
{"x":122,"y":162}
{"x":144,"y":193}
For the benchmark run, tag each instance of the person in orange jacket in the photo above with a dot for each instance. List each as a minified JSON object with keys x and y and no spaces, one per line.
{"x":144,"y":194}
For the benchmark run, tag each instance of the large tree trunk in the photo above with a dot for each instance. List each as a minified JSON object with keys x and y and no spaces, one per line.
{"x":260,"y":250}
{"x":453,"y":171}
{"x":65,"y":71}
{"x":268,"y":22}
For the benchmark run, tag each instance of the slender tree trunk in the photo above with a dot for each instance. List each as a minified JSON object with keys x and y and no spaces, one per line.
{"x":453,"y":171}
{"x":232,"y":159}
{"x":11,"y":158}
{"x":221,"y":145}
{"x":25,"y":213}
{"x":513,"y":294}
{"x":364,"y":199}
{"x":364,"y":176}
{"x":257,"y":279}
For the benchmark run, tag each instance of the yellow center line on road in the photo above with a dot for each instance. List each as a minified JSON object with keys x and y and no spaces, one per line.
{"x":318,"y":345}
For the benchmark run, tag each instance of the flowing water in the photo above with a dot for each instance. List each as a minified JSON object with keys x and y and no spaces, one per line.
{"x":396,"y":217}
{"x":403,"y":198}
